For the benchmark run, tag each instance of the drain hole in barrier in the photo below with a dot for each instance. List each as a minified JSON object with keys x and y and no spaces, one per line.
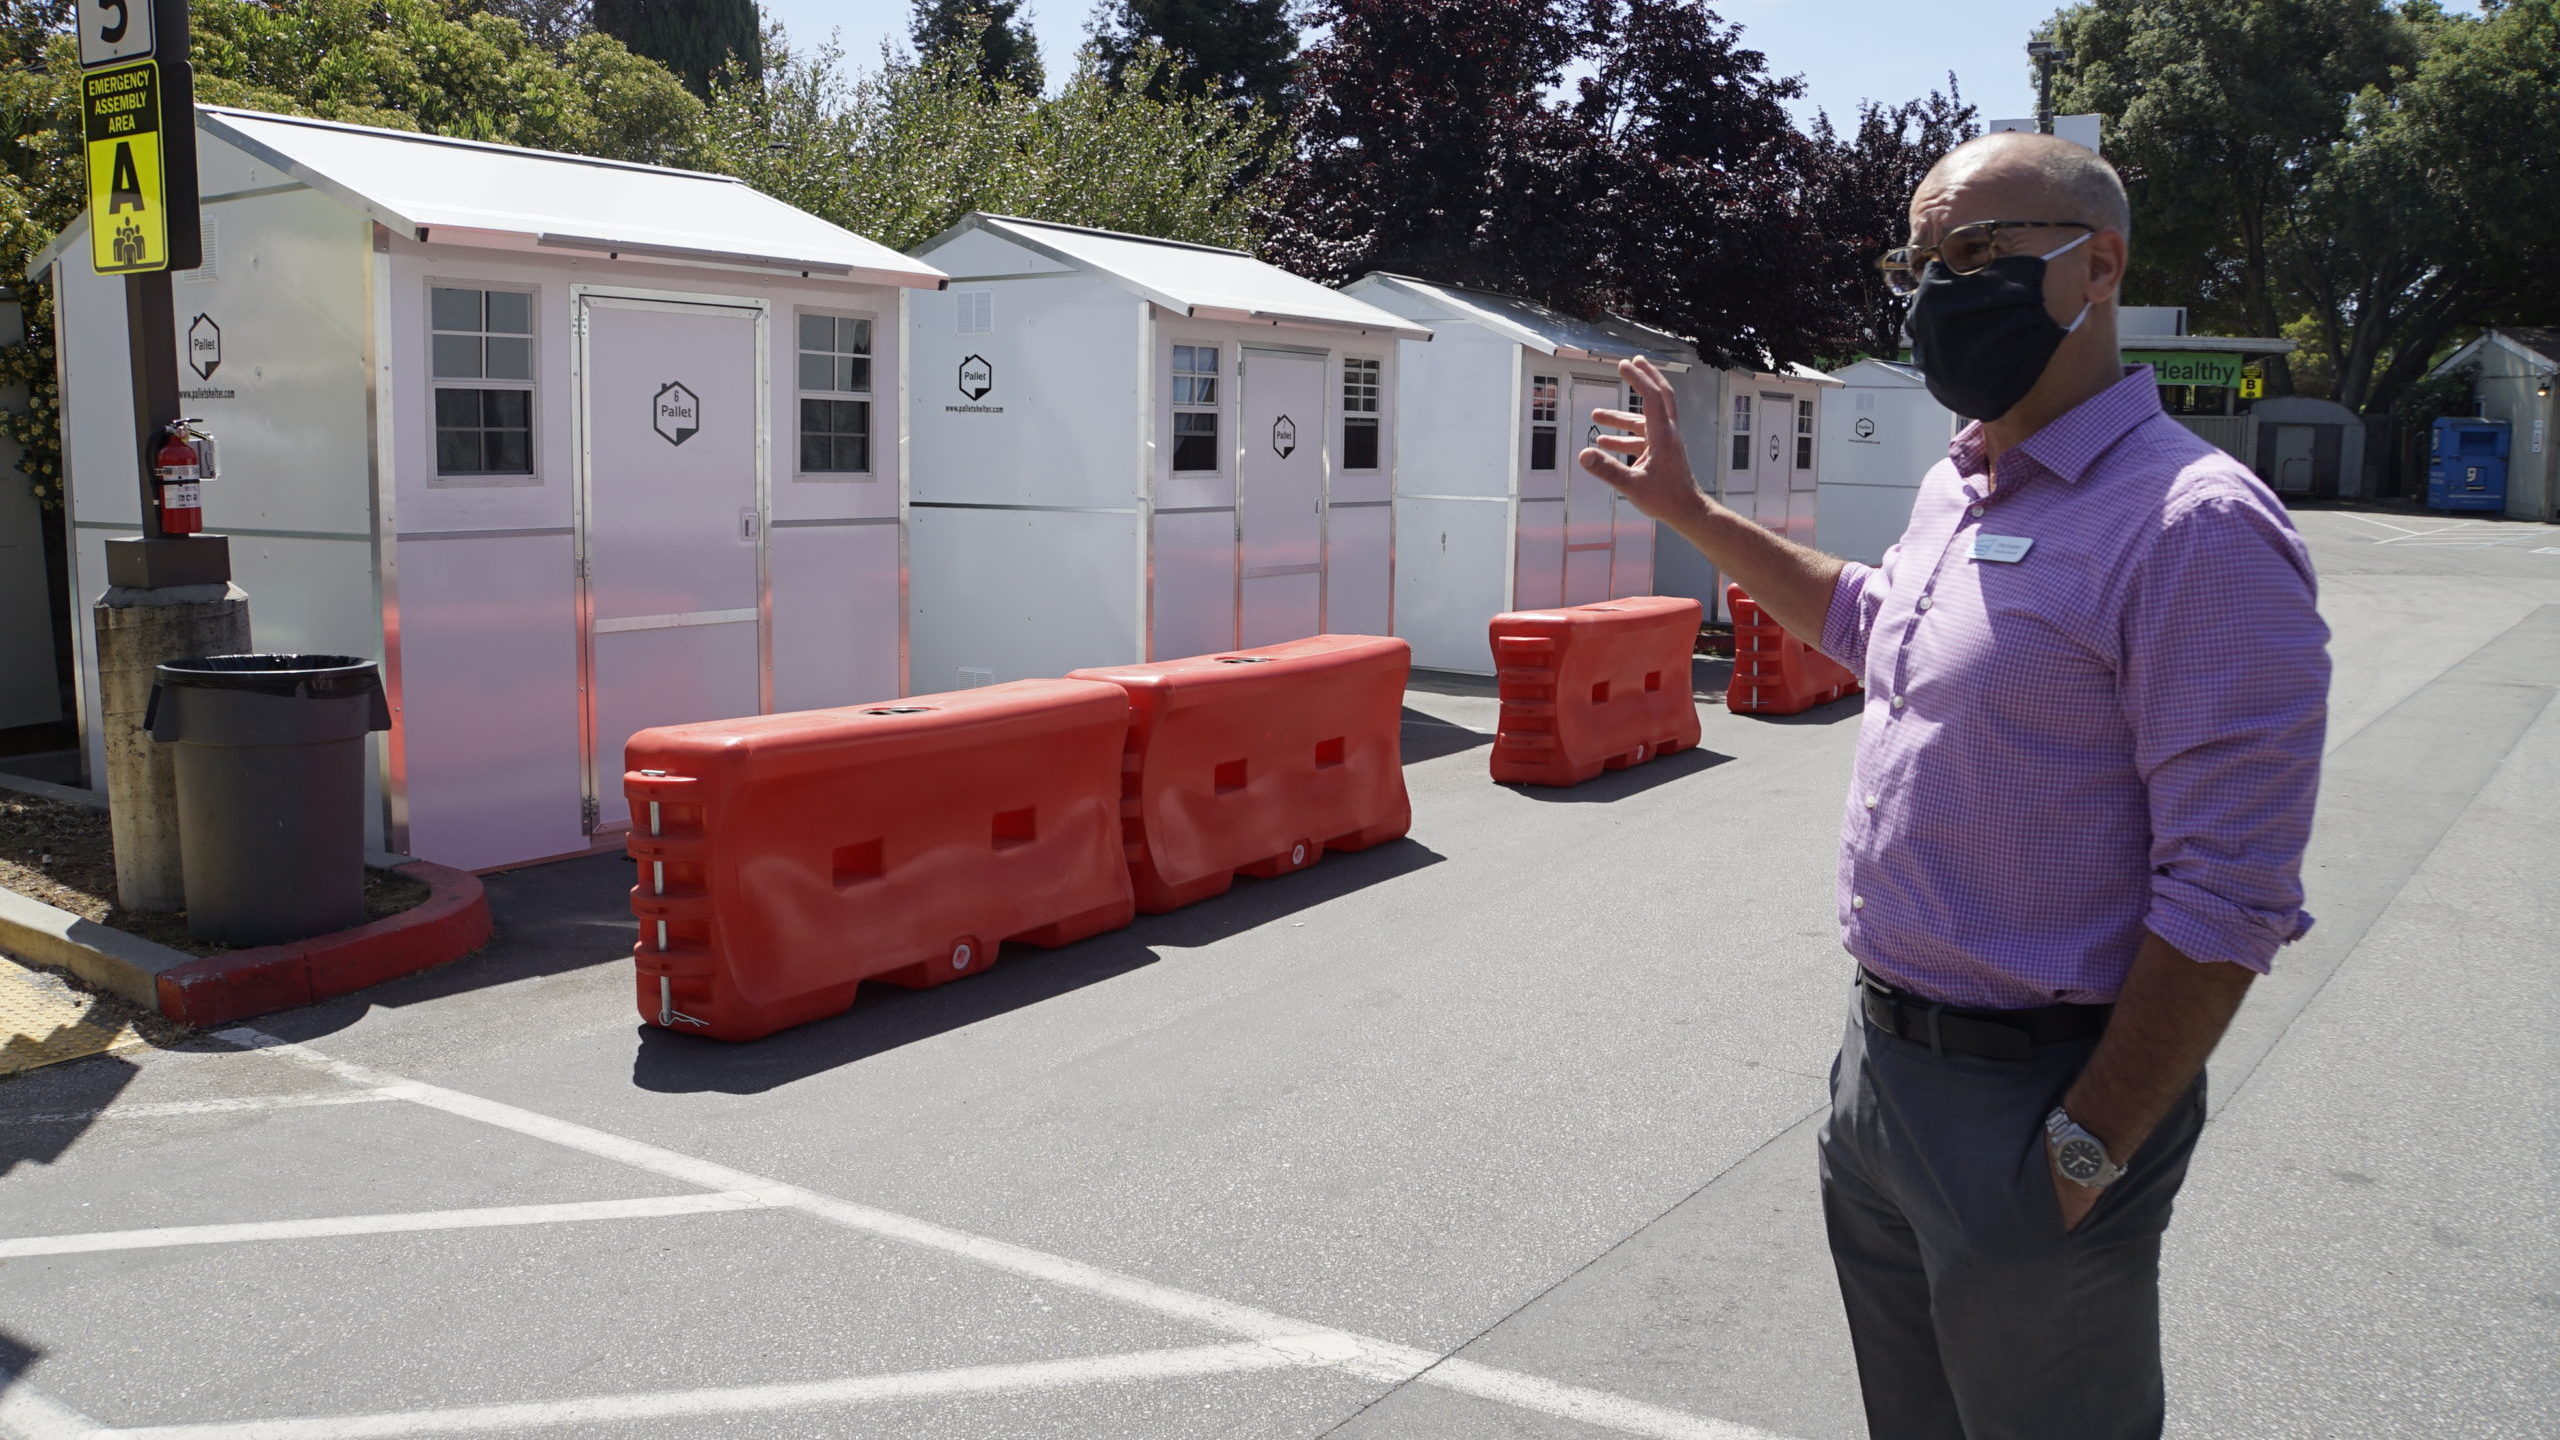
{"x":1328,"y":753}
{"x":1229,"y":777}
{"x":1600,"y":693}
{"x":1652,"y":681}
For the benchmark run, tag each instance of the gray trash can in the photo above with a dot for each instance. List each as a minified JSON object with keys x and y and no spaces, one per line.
{"x":270,"y":756}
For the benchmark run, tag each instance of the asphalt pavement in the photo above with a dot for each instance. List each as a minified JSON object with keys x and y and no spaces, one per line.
{"x":1503,"y":1130}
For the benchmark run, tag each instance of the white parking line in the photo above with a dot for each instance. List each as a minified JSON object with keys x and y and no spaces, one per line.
{"x":1371,"y":1358}
{"x":491,"y":1217}
{"x":1240,"y":1358}
{"x":2385,"y":524}
{"x":164,"y":1109}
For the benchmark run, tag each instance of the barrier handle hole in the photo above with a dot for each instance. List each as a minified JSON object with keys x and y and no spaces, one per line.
{"x":1329,"y":753}
{"x":1244,"y":659}
{"x":857,"y":863}
{"x":1600,"y":693}
{"x":1229,"y":777}
{"x":1016,"y":828}
{"x":898,"y":710}
{"x":1652,"y":681}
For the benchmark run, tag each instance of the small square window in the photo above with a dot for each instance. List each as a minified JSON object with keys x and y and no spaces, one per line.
{"x":835,"y":361}
{"x":1545,"y":404}
{"x":484,"y":336}
{"x":1195,"y":441}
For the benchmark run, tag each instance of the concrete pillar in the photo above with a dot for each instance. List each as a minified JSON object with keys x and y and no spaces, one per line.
{"x":137,"y":630}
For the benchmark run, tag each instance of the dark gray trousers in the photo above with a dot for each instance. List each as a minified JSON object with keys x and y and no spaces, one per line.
{"x":1973,"y":1315}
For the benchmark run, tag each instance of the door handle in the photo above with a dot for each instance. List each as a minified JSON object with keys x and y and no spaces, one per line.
{"x":746,"y":525}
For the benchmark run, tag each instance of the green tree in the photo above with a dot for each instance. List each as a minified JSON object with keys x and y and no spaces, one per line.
{"x":1235,"y":51}
{"x":901,"y":151}
{"x":2219,"y":111}
{"x":2433,"y":209}
{"x":994,"y":33}
{"x":697,"y":39}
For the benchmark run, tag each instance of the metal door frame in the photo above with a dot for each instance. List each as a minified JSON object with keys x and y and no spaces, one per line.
{"x":1245,"y":351}
{"x":582,"y":496}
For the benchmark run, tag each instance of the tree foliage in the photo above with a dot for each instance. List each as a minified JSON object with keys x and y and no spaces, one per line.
{"x":2369,"y":179}
{"x":697,"y":39}
{"x":1861,"y":190}
{"x":993,"y":33}
{"x":1670,"y":187}
{"x":1239,"y":52}
{"x":901,"y":151}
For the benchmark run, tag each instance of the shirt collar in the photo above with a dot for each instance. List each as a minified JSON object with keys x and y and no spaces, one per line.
{"x":2071,"y":445}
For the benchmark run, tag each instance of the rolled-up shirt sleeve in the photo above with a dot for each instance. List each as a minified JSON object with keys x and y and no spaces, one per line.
{"x":2226,"y":687}
{"x":1852,"y":616}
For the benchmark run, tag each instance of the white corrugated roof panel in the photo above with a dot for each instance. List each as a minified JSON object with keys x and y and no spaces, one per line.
{"x":1545,"y":330}
{"x":416,"y":183}
{"x":1199,"y":280}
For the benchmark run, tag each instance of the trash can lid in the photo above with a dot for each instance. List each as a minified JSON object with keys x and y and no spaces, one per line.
{"x":289,"y":675}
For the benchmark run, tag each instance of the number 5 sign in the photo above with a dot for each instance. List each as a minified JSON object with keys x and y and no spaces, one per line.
{"x":112,"y":30}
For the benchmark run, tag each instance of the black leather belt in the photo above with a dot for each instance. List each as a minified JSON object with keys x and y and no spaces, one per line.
{"x":1990,"y":1034}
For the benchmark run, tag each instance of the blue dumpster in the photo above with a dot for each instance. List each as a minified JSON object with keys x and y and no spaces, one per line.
{"x":2467,"y":464}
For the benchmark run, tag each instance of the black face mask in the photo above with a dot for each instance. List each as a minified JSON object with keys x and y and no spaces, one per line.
{"x":1982,"y":340}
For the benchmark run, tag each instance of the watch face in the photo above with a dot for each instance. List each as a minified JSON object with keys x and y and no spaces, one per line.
{"x":2081,"y":1160}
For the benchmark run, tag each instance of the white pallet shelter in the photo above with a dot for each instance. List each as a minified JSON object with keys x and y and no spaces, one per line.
{"x":528,"y":428}
{"x":1492,"y":512}
{"x":1881,"y":432}
{"x":1129,"y":449}
{"x":1755,"y":441}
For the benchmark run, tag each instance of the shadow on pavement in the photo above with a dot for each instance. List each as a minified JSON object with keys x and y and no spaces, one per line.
{"x":885,"y":1017}
{"x":1428,"y":737}
{"x":1611,"y":785}
{"x":44,"y":1112}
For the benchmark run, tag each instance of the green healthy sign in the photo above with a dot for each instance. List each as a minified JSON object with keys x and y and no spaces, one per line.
{"x":2189,"y":367}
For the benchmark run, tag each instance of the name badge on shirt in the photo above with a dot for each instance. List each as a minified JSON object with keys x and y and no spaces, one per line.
{"x":2002,"y":549}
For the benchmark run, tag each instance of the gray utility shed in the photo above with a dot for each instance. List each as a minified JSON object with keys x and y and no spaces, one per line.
{"x":2515,"y":373}
{"x":2308,"y":446}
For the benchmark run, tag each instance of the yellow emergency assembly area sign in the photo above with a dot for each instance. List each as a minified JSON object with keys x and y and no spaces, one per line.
{"x":128,"y":185}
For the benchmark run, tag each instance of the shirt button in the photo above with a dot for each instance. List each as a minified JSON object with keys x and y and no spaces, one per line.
{"x":1926,"y":602}
{"x":1977,"y":510}
{"x":1857,"y":902}
{"x":1871,"y":800}
{"x":1897,"y":702}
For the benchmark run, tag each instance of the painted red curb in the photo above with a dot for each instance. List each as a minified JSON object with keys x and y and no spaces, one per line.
{"x":450,"y":923}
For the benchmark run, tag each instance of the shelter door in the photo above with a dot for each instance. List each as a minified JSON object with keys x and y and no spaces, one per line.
{"x":1280,"y":502}
{"x":2293,"y":467}
{"x":1590,"y":504}
{"x":671,"y":416}
{"x":1773,"y":450}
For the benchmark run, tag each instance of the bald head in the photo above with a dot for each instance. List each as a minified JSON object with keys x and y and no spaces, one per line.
{"x":2071,"y":182}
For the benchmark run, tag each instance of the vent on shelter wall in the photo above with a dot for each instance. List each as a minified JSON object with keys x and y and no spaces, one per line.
{"x":211,"y":269}
{"x":977,"y":311}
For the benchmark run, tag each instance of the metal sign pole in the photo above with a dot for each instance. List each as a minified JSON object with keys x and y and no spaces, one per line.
{"x":168,"y":596}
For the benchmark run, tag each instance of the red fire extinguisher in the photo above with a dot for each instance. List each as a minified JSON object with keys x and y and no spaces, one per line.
{"x":183,"y":464}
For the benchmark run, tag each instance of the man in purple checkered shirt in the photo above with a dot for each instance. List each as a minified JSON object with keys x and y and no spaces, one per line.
{"x":2095,"y":693}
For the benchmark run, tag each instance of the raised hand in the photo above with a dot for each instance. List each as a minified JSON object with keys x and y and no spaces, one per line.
{"x":1657,"y":477}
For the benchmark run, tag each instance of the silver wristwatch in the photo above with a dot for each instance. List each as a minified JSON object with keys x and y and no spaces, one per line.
{"x":2079,"y":1155}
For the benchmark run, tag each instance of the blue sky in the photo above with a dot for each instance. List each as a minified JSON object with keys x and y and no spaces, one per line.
{"x":1846,"y":50}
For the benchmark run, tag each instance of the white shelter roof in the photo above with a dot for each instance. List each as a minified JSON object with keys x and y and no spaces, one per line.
{"x":1203,"y":282}
{"x":1545,"y":330}
{"x":416,"y":184}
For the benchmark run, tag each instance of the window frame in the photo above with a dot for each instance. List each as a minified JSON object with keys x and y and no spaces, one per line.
{"x":870,"y":397}
{"x":1375,"y":415}
{"x":1550,"y":428}
{"x":1220,"y":442}
{"x":1738,"y":421}
{"x":530,"y":386}
{"x":1804,"y":433}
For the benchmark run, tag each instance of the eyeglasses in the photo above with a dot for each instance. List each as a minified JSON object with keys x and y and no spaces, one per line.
{"x":1964,"y":250}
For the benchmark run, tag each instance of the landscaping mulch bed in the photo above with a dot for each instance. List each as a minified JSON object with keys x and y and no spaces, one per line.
{"x":63,"y":855}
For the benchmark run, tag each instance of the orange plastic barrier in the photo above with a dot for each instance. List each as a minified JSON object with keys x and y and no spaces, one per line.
{"x":785,"y":859}
{"x":1259,"y":761}
{"x":1774,"y":673}
{"x":1593,"y":687}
